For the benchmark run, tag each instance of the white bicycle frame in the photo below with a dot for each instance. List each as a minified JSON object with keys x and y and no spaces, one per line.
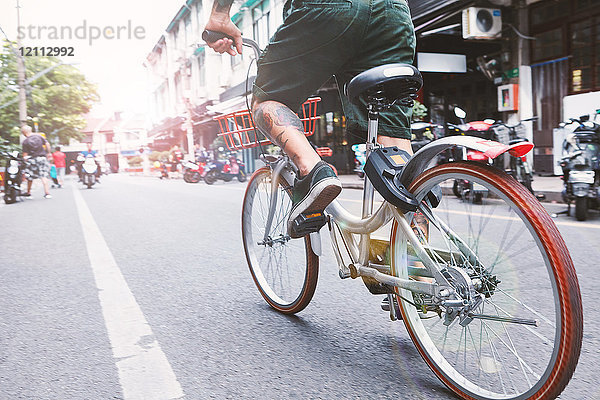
{"x":347,"y":224}
{"x":370,"y":221}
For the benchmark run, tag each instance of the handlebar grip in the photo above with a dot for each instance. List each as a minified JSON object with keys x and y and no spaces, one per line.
{"x":213,"y":36}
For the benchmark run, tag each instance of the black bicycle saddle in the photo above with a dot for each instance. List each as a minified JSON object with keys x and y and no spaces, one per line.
{"x":396,"y":81}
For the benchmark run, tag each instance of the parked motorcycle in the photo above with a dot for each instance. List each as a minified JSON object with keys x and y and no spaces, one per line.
{"x":518,"y":167}
{"x":13,"y":177}
{"x":462,"y":188}
{"x":581,"y":166}
{"x":225,"y":170}
{"x":164,"y":169}
{"x":89,"y":171}
{"x":423,"y":133}
{"x":193,"y":172}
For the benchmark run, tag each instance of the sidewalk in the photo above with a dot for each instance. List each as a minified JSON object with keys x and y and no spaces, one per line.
{"x":549,"y":186}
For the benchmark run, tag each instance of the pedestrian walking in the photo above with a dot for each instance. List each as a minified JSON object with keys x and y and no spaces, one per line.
{"x":59,"y":162}
{"x":37,"y":150}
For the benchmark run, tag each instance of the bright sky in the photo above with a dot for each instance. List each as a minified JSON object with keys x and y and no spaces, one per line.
{"x":114,"y":64}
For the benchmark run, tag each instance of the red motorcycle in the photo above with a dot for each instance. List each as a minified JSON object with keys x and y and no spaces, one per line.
{"x":464,"y":189}
{"x":193,"y":172}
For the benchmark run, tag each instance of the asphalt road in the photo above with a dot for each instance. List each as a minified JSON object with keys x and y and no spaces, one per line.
{"x":162,"y":261}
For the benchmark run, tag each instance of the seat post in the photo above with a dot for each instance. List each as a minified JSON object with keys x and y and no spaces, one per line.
{"x":369,"y":190}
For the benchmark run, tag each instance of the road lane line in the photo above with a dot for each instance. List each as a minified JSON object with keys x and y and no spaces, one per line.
{"x":144,"y":371}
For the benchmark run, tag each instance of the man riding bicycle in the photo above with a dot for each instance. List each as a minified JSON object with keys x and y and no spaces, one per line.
{"x":318,"y":39}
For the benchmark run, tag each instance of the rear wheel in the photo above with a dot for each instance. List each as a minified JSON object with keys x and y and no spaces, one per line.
{"x":242,"y":176}
{"x":284,"y":270}
{"x":507,"y":253}
{"x":10,"y":195}
{"x":581,"y":208}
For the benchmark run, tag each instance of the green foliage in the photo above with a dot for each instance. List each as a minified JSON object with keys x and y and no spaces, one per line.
{"x":57,"y":101}
{"x":419,"y":112}
{"x":135,"y":161}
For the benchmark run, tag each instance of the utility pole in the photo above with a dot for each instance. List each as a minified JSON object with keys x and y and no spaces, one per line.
{"x":21,"y":75}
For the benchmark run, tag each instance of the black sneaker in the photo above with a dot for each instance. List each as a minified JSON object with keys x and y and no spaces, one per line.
{"x":313,"y":193}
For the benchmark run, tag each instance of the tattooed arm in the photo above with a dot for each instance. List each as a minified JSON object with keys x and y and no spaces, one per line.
{"x":285,"y":129}
{"x":220,"y":21}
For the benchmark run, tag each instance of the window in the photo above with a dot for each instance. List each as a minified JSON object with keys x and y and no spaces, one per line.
{"x":201,"y":72}
{"x":549,"y":12}
{"x":548,"y":45}
{"x":199,"y":18}
{"x":583,"y":4}
{"x":189,"y":39}
{"x":260,"y":23}
{"x":585,"y":51}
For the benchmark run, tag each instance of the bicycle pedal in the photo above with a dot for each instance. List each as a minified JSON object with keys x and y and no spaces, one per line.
{"x":307,"y":223}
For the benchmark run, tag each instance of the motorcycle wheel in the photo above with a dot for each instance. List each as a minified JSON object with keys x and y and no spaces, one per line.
{"x":227,"y":177}
{"x":241,"y":176}
{"x":456,"y":189}
{"x":195,"y":178}
{"x":210,"y":178}
{"x":187,"y":176}
{"x":581,"y":208}
{"x":10,"y":195}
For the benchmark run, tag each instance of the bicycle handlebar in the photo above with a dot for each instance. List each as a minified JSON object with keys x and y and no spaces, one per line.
{"x":213,"y":36}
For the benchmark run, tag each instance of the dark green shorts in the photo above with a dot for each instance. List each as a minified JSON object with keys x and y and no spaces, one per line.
{"x":321,"y":38}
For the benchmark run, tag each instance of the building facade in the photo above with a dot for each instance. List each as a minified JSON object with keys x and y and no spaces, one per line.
{"x":538,"y":58}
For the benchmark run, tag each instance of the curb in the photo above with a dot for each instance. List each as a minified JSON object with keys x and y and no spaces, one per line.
{"x":550,"y":196}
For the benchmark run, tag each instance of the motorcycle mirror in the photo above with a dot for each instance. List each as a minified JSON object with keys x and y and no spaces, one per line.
{"x":460,"y":113}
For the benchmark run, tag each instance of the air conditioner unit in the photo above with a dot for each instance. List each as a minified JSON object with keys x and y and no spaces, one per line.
{"x":481,"y":23}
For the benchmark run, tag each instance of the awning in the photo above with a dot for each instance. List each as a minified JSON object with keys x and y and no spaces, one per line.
{"x":236,"y":104}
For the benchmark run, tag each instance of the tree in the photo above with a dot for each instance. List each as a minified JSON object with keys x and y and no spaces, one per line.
{"x":57,"y":100}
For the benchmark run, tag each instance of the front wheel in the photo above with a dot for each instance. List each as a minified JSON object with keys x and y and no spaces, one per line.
{"x":284,"y":270}
{"x":211,"y":177}
{"x":10,"y":195}
{"x":524,"y":338}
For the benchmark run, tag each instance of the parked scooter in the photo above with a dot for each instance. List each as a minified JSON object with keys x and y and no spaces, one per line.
{"x":225,"y":170}
{"x":193,"y":172}
{"x":581,"y":166}
{"x":462,"y":188}
{"x":89,"y":171}
{"x":423,"y":133}
{"x":164,"y":169}
{"x":13,"y":177}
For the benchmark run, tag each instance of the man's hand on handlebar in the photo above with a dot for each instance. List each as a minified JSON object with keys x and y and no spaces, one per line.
{"x":226,"y":26}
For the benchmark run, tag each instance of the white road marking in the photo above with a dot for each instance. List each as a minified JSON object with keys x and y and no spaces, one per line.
{"x":144,"y":371}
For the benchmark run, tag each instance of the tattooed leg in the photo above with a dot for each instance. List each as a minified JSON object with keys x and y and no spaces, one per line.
{"x":284,"y":128}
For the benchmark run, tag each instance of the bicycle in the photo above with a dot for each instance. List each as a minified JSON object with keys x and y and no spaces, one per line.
{"x":488,"y":292}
